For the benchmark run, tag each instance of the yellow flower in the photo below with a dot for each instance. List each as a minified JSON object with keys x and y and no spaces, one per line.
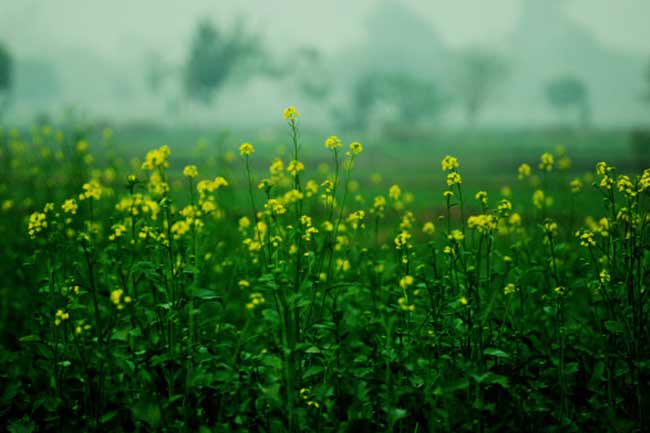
{"x":509,"y":289}
{"x":624,"y":184}
{"x":37,"y":223}
{"x":246,"y":149}
{"x":60,"y":316}
{"x":504,"y":207}
{"x":70,"y":206}
{"x":404,"y":305}
{"x":454,"y":178}
{"x":644,"y":181}
{"x":602,"y":168}
{"x":356,"y":147}
{"x":546,"y":161}
{"x":515,"y":219}
{"x":586,"y":238}
{"x":309,"y":232}
{"x":356,"y":219}
{"x":564,"y":163}
{"x":394,"y":192}
{"x":274,"y":207}
{"x":290,"y":113}
{"x":295,"y":167}
{"x":379,"y":203}
{"x":82,"y":146}
{"x":332,"y":142}
{"x":406,"y":281}
{"x":523,"y":171}
{"x":244,"y":223}
{"x":191,"y":171}
{"x":482,"y":196}
{"x":463,"y":300}
{"x":604,"y":276}
{"x":539,"y":198}
{"x":342,"y":265}
{"x":179,"y":228}
{"x":429,"y":228}
{"x":276,"y":167}
{"x":483,"y":223}
{"x":156,"y":158}
{"x":256,"y":299}
{"x":92,"y":189}
{"x":576,"y":185}
{"x":292,"y":196}
{"x":118,"y":232}
{"x":407,"y":220}
{"x":311,"y":187}
{"x":550,"y":227}
{"x":449,"y":163}
{"x":456,"y":235}
{"x":401,"y":240}
{"x":116,"y":298}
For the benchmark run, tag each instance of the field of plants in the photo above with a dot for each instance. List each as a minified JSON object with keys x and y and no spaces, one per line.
{"x":296,"y":282}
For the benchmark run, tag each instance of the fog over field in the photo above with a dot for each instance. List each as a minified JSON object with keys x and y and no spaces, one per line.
{"x":97,"y":56}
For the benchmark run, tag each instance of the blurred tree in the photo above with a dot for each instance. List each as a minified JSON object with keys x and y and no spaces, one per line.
{"x":415,"y":99}
{"x":412,"y":99}
{"x":216,"y":56}
{"x":478,"y":75}
{"x":156,"y":72}
{"x":310,"y":70}
{"x":6,"y":78}
{"x":569,"y":92}
{"x":646,"y":97}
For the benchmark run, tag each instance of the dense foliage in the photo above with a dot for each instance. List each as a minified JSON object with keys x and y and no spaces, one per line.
{"x":139,"y":299}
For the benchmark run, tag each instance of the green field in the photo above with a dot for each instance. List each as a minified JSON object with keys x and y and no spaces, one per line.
{"x":383,"y":287}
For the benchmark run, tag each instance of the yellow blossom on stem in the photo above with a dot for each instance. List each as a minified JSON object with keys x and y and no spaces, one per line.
{"x":449,"y":163}
{"x":290,"y":113}
{"x":246,"y":149}
{"x":523,"y":171}
{"x":70,"y":206}
{"x":394,"y":192}
{"x":190,"y":171}
{"x":332,"y":142}
{"x":356,"y":147}
{"x":454,"y":178}
{"x":294,"y":167}
{"x":546,"y":161}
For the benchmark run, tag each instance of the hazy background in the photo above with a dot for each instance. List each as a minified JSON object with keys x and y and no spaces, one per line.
{"x":478,"y":62}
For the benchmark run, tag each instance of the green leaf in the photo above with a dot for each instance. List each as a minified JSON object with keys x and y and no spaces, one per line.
{"x":108,"y":416}
{"x":397,"y":414}
{"x":614,"y":327}
{"x":24,"y":425}
{"x":313,"y":371}
{"x":492,"y":351}
{"x":148,"y":412}
{"x":205,"y":294}
{"x":490,"y":378}
{"x":571,"y":368}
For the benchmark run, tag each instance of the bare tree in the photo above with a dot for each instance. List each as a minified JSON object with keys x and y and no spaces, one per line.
{"x":6,"y":78}
{"x":215,"y":56}
{"x":569,"y":92}
{"x":477,"y":76}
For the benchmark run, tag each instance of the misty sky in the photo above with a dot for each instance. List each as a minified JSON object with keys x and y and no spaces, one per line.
{"x":124,"y":28}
